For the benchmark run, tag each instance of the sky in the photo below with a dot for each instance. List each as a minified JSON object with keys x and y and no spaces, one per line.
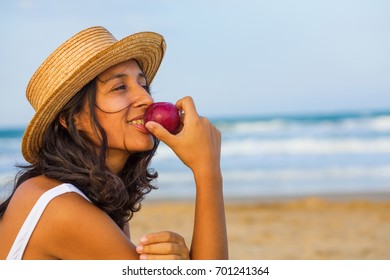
{"x":234,"y":57}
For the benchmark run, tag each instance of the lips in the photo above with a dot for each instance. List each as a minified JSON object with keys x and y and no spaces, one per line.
{"x":138,"y":123}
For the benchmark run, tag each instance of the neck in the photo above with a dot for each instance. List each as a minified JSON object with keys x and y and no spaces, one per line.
{"x":116,"y":162}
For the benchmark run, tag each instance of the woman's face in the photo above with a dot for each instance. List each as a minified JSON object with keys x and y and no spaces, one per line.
{"x":121,"y":101}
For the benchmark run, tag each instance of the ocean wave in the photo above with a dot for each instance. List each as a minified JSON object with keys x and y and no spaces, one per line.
{"x":10,"y":144}
{"x":255,"y":182}
{"x":363,"y":124}
{"x":255,"y":127}
{"x":256,"y":175}
{"x":6,"y":185}
{"x":305,"y":146}
{"x":293,"y":147}
{"x":328,"y":173}
{"x":282,"y":181}
{"x":380,"y":124}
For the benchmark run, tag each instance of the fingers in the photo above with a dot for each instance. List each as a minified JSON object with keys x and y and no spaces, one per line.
{"x":159,"y":131}
{"x":187,"y":105}
{"x":162,"y":245}
{"x":198,"y":144}
{"x":162,"y":236}
{"x":166,"y":251}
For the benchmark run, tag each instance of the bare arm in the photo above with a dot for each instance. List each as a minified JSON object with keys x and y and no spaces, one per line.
{"x":209,"y":237}
{"x":79,"y":230}
{"x":198,"y":145}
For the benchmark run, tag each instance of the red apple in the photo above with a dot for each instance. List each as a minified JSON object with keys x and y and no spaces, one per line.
{"x":164,"y":113}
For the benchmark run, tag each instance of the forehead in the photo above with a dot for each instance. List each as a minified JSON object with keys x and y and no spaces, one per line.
{"x":129,"y":66}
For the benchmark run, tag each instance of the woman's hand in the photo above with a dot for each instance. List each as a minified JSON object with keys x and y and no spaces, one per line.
{"x":198,"y":144}
{"x":163,"y":245}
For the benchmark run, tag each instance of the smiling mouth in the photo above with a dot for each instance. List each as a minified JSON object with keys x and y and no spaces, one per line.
{"x":136,"y":122}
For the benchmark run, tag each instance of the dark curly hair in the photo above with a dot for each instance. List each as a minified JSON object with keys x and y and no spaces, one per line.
{"x":69,"y":156}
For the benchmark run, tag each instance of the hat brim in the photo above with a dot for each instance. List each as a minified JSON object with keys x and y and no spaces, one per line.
{"x":147,"y":48}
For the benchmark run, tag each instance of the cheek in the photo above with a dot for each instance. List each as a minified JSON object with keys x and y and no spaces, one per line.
{"x":114,"y":127}
{"x":121,"y":135}
{"x":83,"y":123}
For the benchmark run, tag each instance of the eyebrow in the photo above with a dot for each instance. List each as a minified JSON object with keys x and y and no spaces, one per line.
{"x":121,"y":75}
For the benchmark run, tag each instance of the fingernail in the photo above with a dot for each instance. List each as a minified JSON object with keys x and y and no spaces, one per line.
{"x":143,"y":239}
{"x":139,"y":249}
{"x":149,"y":125}
{"x":143,"y":257}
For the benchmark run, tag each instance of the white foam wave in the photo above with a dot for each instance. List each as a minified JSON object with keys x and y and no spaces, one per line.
{"x":302,"y":146}
{"x":257,"y":127}
{"x":6,"y":185}
{"x":381,"y":124}
{"x":378,"y":124}
{"x":287,"y":175}
{"x":10,"y":143}
{"x":294,"y":146}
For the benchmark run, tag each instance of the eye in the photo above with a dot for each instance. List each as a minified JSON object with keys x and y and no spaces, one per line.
{"x":146,"y":87}
{"x":121,"y":87}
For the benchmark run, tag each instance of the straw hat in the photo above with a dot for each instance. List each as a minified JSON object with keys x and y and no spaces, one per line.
{"x":75,"y":63}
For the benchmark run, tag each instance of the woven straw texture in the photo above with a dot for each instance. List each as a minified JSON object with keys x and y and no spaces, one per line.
{"x":75,"y":63}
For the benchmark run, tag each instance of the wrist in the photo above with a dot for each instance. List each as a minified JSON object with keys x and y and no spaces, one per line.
{"x":209,"y":178}
{"x":207,"y":172}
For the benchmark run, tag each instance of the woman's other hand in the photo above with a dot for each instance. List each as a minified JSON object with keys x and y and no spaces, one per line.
{"x":164,"y":245}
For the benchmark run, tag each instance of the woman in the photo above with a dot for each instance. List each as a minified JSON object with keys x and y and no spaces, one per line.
{"x":89,"y":152}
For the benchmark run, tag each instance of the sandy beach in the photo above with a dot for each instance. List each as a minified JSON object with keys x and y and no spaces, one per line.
{"x":311,"y":228}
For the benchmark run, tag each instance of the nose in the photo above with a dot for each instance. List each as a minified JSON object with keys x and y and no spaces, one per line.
{"x":142,"y":97}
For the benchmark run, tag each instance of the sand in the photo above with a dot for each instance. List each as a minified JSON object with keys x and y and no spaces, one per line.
{"x":308,"y":228}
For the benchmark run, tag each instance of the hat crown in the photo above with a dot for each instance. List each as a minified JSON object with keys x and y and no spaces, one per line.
{"x":62,"y":64}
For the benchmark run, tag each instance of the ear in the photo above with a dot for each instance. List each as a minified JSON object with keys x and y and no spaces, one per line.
{"x":63,"y":122}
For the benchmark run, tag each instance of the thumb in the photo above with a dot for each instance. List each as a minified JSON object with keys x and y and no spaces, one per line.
{"x":159,"y":131}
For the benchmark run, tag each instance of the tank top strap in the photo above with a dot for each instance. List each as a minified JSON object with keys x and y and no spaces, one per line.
{"x":25,"y":232}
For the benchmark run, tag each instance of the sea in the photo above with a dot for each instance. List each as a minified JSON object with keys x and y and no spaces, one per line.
{"x":270,"y":156}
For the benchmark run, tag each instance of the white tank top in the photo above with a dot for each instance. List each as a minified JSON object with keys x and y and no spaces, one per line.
{"x":25,"y":232}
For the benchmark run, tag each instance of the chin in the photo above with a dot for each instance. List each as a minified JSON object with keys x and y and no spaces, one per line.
{"x":142,"y":147}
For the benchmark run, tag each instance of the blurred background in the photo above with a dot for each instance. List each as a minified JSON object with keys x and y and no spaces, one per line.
{"x":300,"y":89}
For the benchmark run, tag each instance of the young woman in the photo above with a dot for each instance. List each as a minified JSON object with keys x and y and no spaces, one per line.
{"x":89,"y":153}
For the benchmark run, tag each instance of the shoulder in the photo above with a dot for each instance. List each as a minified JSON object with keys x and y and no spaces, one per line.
{"x":25,"y":197}
{"x":74,"y":228}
